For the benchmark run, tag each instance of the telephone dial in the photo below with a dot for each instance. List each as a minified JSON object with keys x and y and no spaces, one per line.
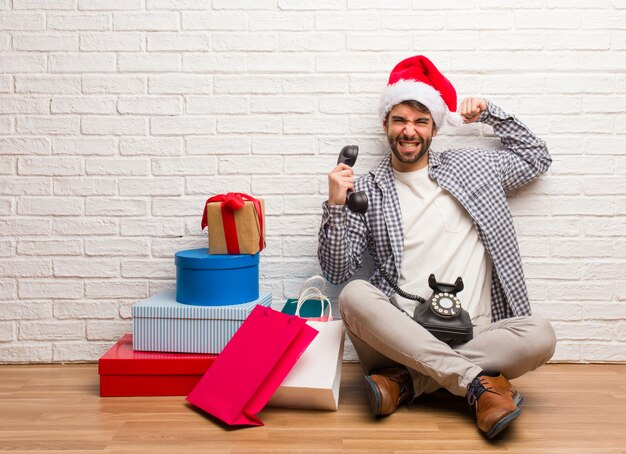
{"x":442,"y":315}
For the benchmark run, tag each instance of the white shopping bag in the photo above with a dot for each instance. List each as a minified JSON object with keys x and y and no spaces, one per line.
{"x":313,"y":382}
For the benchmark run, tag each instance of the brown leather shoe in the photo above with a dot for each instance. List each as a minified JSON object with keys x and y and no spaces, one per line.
{"x":387,"y":389}
{"x":493,"y":402}
{"x":503,"y":386}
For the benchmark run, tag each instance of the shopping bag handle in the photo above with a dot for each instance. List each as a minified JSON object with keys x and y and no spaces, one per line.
{"x":312,"y":292}
{"x":310,"y":282}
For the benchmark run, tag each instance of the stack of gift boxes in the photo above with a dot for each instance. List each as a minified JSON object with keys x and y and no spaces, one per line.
{"x":178,"y":334}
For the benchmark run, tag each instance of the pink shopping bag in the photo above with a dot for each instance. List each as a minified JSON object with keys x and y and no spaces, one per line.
{"x":252,"y":366}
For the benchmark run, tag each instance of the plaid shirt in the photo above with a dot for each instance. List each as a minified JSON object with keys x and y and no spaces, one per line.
{"x":478,"y":179}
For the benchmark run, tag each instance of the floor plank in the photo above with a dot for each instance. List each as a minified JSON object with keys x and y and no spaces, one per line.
{"x":568,"y":408}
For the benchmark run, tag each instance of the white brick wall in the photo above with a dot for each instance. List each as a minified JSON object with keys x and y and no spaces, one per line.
{"x":119,"y":118}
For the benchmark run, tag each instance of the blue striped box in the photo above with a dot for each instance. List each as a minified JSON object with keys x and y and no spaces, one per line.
{"x":160,"y":324}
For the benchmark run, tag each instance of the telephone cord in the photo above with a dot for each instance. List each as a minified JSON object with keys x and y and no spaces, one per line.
{"x":372,"y":250}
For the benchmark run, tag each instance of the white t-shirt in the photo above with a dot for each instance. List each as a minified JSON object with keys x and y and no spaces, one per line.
{"x":440,"y":238}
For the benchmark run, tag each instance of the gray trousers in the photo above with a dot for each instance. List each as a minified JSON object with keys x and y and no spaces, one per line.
{"x":383,"y":336}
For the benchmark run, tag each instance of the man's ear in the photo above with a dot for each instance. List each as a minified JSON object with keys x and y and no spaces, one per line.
{"x":435,"y":131}
{"x":385,"y":125}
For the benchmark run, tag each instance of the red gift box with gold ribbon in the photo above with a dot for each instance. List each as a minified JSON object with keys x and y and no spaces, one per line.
{"x":236,"y":223}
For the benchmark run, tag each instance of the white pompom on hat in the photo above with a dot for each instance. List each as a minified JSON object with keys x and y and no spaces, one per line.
{"x":418,"y":79}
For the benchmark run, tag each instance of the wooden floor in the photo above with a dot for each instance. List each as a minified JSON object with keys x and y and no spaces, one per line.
{"x":56,"y":408}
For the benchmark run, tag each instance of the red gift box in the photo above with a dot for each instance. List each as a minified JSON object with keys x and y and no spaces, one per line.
{"x":125,"y":372}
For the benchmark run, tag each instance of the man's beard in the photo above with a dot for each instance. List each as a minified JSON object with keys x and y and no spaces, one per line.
{"x":423,"y":143}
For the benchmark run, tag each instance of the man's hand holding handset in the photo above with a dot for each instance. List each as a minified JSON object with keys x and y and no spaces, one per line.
{"x":340,"y":181}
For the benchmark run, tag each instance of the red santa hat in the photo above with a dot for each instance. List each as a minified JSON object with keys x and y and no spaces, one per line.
{"x":418,"y":79}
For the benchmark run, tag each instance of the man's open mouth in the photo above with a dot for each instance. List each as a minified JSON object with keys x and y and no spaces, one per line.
{"x":408,"y":145}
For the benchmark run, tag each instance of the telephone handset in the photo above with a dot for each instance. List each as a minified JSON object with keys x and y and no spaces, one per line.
{"x":356,"y":201}
{"x":442,"y":315}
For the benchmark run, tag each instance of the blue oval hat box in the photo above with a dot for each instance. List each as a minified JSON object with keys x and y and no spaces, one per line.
{"x":204,"y":279}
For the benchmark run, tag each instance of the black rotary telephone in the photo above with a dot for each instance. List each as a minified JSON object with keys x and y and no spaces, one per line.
{"x":442,"y":315}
